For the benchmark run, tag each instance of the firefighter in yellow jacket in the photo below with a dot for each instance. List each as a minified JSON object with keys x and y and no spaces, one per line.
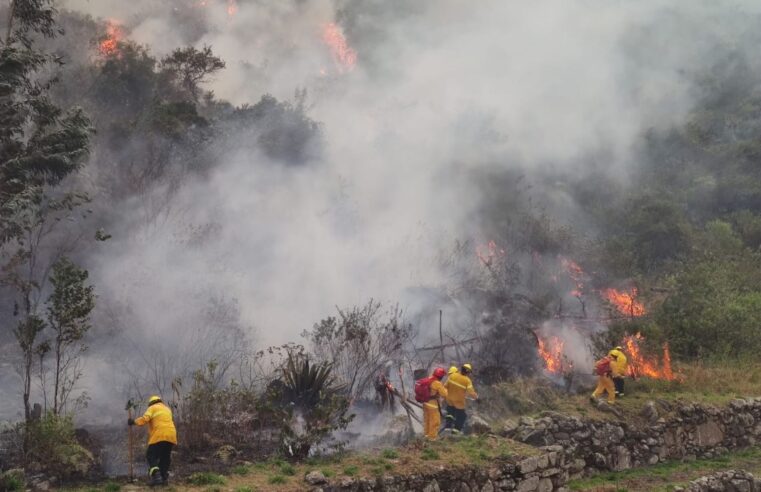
{"x":603,"y":369}
{"x":162,"y":436}
{"x":619,"y":368}
{"x":431,"y":408}
{"x":458,"y":387}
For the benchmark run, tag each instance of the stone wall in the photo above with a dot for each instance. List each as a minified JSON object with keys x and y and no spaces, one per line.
{"x":726,"y":481}
{"x":572,"y":447}
{"x":546,"y":472}
{"x":660,"y":433}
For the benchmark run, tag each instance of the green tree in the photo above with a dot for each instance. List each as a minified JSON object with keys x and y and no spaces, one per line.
{"x":189,"y":67}
{"x":26,"y":333}
{"x":715,"y":307}
{"x":40,"y":145}
{"x":69,"y":308}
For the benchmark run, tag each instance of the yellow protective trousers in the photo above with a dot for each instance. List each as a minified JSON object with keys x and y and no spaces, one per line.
{"x":431,"y":420}
{"x":605,"y":384}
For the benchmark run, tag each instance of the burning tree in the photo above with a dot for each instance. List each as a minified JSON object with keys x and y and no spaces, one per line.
{"x":551,"y":353}
{"x":109,"y":45}
{"x":344,"y":55}
{"x":625,"y":303}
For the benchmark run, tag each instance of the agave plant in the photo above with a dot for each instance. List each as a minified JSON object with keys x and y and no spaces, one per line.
{"x":312,"y":403}
{"x":307,"y":385}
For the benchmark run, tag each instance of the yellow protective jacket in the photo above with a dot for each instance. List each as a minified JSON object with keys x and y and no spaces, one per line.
{"x":160,"y":424}
{"x":437,"y":390}
{"x":458,"y":387}
{"x":619,"y":365}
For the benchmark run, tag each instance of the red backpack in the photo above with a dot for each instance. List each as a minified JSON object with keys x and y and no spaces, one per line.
{"x":602,"y":366}
{"x":423,"y":389}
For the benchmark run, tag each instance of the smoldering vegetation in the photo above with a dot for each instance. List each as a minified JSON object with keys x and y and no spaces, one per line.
{"x":336,"y":174}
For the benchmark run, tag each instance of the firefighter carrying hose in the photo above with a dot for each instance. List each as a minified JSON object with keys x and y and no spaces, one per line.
{"x":619,"y":368}
{"x":162,"y":436}
{"x":459,"y":386}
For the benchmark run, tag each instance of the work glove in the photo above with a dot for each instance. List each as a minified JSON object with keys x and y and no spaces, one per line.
{"x":130,"y":422}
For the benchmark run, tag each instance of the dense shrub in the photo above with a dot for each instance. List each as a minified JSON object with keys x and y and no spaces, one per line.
{"x":51,"y":443}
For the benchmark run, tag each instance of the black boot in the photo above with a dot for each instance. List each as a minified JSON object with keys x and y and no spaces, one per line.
{"x":155,"y":477}
{"x":164,"y":478}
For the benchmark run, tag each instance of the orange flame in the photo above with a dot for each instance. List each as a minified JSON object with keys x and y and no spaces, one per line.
{"x":114,"y":34}
{"x":640,"y":365}
{"x":575,"y":273}
{"x":232,"y":8}
{"x":489,"y":253}
{"x":343,"y":54}
{"x":551,"y":353}
{"x":625,"y":302}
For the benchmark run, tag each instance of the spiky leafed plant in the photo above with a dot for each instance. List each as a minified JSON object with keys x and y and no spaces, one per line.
{"x":312,"y":405}
{"x":306,"y":385}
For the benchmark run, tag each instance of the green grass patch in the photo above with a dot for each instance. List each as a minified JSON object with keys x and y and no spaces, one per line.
{"x":351,"y":470}
{"x":287,"y":469}
{"x":12,"y":483}
{"x":429,"y":454}
{"x":241,"y":470}
{"x":664,"y":476}
{"x":327,"y":472}
{"x":277,"y":479}
{"x":112,"y":487}
{"x":390,"y":454}
{"x":244,"y":489}
{"x":206,"y":478}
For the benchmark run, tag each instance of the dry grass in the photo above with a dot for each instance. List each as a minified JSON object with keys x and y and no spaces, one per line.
{"x":714,"y":384}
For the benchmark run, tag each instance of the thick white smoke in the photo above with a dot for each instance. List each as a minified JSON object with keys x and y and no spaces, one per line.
{"x":439,"y":90}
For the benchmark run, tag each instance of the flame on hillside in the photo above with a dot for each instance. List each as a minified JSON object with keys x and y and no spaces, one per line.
{"x":641,"y":365}
{"x":232,"y":8}
{"x":551,"y":353}
{"x":576,"y":274}
{"x":343,"y":54}
{"x":625,"y":302}
{"x":489,"y":253}
{"x":114,"y":34}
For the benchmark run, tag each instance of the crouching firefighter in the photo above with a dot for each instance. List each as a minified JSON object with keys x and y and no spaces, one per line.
{"x":428,"y":391}
{"x":162,"y":437}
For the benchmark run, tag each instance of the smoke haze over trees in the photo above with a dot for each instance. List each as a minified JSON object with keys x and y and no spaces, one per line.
{"x":248,"y":180}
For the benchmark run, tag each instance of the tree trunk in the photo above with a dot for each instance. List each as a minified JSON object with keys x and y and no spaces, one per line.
{"x":43,"y":385}
{"x":11,"y":15}
{"x":57,"y":373}
{"x":27,"y":385}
